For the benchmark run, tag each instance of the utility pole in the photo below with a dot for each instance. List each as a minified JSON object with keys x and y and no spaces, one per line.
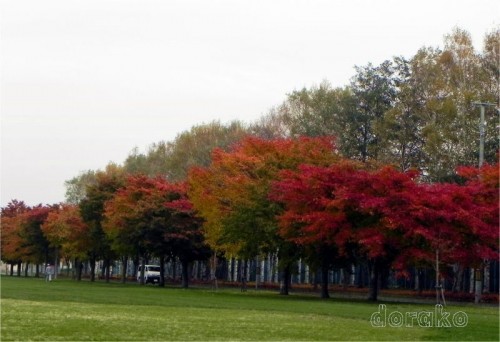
{"x":478,"y":272}
{"x":482,"y":106}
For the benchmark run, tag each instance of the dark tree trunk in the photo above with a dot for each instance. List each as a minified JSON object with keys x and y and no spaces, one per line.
{"x":26,"y":270}
{"x":11,"y":269}
{"x":374,"y":278}
{"x":324,"y":282}
{"x":67,"y":268}
{"x":92,"y":268}
{"x":359,"y":270}
{"x":103,"y":269}
{"x":315,"y":280}
{"x":420,"y":281}
{"x":75,"y":268}
{"x":19,"y":265}
{"x":239,"y":273}
{"x":457,"y":280}
{"x":285,"y":282}
{"x":124,"y":269}
{"x":37,"y":271}
{"x":79,"y":270}
{"x":185,"y":274}
{"x":244,"y":276}
{"x":174,"y":269}
{"x":107,"y":263}
{"x":162,"y":271}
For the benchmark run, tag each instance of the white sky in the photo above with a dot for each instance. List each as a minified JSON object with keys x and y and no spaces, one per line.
{"x":84,"y":82}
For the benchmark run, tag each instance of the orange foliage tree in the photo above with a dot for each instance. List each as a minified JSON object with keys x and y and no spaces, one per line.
{"x":65,"y":230}
{"x":153,"y":217}
{"x":12,"y":247}
{"x":232,"y":194}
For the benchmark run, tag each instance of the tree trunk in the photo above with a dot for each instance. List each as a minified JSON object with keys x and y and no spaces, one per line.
{"x":11,"y":269}
{"x":92,"y":268}
{"x":136,"y":262}
{"x":67,"y":268}
{"x":374,"y":277}
{"x":257,"y":272}
{"x":360,"y":276}
{"x":143,"y":266}
{"x":421,"y":281}
{"x":457,"y":279}
{"x":124,"y":269}
{"x":285,"y":282}
{"x":108,"y":269}
{"x":103,"y":269}
{"x":233,"y":269}
{"x":79,"y":270}
{"x":324,"y":282}
{"x":244,"y":276}
{"x":213,"y":272}
{"x":26,"y":270}
{"x":75,"y":268}
{"x":56,"y":263}
{"x":174,"y":269}
{"x":19,"y":266}
{"x":162,"y":271}
{"x":37,"y":271}
{"x":315,"y":280}
{"x":185,"y":275}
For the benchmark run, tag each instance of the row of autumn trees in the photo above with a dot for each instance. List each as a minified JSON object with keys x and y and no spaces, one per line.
{"x":122,"y":216}
{"x":405,"y":114}
{"x":297,"y":197}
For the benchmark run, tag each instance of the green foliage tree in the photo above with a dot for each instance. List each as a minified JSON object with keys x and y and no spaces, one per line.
{"x":273,"y":125}
{"x":194,"y":147}
{"x":152,"y":163}
{"x":92,"y":212}
{"x":190,"y":148}
{"x":76,"y":187}
{"x":450,"y":81}
{"x":400,"y":128}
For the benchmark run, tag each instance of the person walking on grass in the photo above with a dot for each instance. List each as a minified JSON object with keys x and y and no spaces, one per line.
{"x":48,"y":272}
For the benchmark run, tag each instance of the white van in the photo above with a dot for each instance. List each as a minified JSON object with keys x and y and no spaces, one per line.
{"x":151,"y":274}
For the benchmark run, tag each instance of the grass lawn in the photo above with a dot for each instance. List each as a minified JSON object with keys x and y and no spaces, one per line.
{"x":32,"y":309}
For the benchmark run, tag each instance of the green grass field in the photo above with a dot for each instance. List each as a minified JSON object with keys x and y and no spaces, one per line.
{"x":32,"y":309}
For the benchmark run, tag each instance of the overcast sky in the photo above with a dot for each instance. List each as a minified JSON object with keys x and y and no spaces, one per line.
{"x":84,"y":82}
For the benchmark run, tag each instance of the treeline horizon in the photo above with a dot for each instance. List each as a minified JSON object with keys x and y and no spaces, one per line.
{"x":297,"y":198}
{"x":412,"y":113}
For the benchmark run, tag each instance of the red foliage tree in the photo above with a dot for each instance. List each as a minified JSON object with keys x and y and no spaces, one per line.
{"x":389,"y":219}
{"x":378,"y":202}
{"x":315,"y":216}
{"x":31,"y":230}
{"x":151,"y":216}
{"x":348,"y":209}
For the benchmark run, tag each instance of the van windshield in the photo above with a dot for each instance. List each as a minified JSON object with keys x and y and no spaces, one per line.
{"x":154,"y":268}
